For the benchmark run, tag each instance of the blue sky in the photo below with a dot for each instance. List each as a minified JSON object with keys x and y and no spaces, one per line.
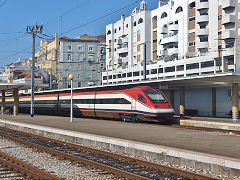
{"x":15,"y":15}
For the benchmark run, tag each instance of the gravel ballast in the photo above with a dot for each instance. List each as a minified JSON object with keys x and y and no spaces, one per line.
{"x":61,"y":168}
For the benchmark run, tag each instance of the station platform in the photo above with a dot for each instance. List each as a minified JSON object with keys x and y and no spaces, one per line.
{"x":206,"y":151}
{"x":210,"y":122}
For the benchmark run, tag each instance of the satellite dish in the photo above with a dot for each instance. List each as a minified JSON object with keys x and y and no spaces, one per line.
{"x":119,"y":42}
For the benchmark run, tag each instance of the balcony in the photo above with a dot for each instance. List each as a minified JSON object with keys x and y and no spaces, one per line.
{"x":202,"y":5}
{"x":202,"y":18}
{"x":163,"y":30}
{"x":228,"y":18}
{"x":173,"y":27}
{"x":173,"y":51}
{"x":122,"y":50}
{"x":164,"y":52}
{"x":229,"y":34}
{"x":170,"y":39}
{"x":228,"y":52}
{"x":202,"y":32}
{"x":202,"y":45}
{"x":228,"y":4}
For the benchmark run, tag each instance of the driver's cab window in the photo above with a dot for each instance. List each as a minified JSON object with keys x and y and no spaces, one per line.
{"x":141,"y":98}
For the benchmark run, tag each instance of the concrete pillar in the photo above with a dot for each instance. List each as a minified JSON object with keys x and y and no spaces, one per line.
{"x":214,"y":102}
{"x":182,"y":101}
{"x":235,"y":105}
{"x":16,"y":102}
{"x":3,"y":104}
{"x":172,"y":97}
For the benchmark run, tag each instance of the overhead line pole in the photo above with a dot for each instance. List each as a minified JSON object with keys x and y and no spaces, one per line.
{"x":33,"y":30}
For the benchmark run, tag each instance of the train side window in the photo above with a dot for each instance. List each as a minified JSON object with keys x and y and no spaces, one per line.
{"x":141,"y":98}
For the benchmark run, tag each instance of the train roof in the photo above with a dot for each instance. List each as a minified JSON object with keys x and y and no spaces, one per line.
{"x":91,"y":89}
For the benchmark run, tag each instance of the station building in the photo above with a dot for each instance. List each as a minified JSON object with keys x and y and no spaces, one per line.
{"x":190,"y":47}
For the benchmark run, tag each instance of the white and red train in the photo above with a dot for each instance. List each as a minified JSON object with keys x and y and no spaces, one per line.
{"x":139,"y":103}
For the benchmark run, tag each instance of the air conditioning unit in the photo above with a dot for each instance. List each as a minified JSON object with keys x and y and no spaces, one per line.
{"x":91,"y":83}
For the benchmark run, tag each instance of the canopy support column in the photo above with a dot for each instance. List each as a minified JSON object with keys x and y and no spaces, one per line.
{"x":235,"y":102}
{"x":16,"y":102}
{"x":182,"y":102}
{"x":214,"y":103}
{"x":3,"y":103}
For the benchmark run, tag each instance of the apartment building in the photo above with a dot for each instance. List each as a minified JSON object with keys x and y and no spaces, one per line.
{"x":84,"y":57}
{"x":179,"y":30}
{"x":46,"y":59}
{"x":125,"y":39}
{"x":183,"y":38}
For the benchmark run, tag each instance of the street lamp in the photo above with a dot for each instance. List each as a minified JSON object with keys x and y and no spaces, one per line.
{"x":71,"y":77}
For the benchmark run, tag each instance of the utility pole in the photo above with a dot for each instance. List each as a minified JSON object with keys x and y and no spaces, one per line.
{"x":33,"y":30}
{"x":145,"y":62}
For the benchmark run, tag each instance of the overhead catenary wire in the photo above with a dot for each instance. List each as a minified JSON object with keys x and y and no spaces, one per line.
{"x":99,"y":18}
{"x":3,"y":3}
{"x":16,"y":38}
{"x":137,"y":1}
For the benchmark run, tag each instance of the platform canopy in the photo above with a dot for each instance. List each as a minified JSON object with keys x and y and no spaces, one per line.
{"x":209,"y":80}
{"x":19,"y":86}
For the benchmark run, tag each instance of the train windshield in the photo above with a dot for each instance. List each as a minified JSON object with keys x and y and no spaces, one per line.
{"x":155,"y":96}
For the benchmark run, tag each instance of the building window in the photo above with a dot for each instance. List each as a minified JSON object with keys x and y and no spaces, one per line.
{"x":69,"y":47}
{"x":179,"y":9}
{"x":90,"y":48}
{"x":115,"y":30}
{"x":80,"y":48}
{"x":69,"y":57}
{"x":140,"y":21}
{"x":191,"y":19}
{"x":126,"y":25}
{"x":109,"y":32}
{"x":80,"y":57}
{"x":135,"y":23}
{"x":191,"y":44}
{"x":79,"y":84}
{"x":69,"y":84}
{"x":163,"y":15}
{"x":219,"y":17}
{"x":203,"y":39}
{"x":154,"y":19}
{"x":192,"y":5}
{"x":79,"y":75}
{"x":90,"y":58}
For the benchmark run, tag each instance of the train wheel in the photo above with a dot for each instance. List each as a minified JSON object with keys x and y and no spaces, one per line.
{"x":124,"y":117}
{"x":134,"y":118}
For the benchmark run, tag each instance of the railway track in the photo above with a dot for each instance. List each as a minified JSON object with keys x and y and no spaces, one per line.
{"x":120,"y":165}
{"x":11,"y":168}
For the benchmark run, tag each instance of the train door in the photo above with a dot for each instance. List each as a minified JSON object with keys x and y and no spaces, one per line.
{"x":133,"y":104}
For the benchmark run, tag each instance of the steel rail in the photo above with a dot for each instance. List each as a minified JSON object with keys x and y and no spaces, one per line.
{"x":116,"y":171}
{"x":24,"y":169}
{"x":190,"y":175}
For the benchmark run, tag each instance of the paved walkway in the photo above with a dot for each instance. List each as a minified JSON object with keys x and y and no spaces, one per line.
{"x":205,"y":142}
{"x":212,"y":119}
{"x":209,"y":122}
